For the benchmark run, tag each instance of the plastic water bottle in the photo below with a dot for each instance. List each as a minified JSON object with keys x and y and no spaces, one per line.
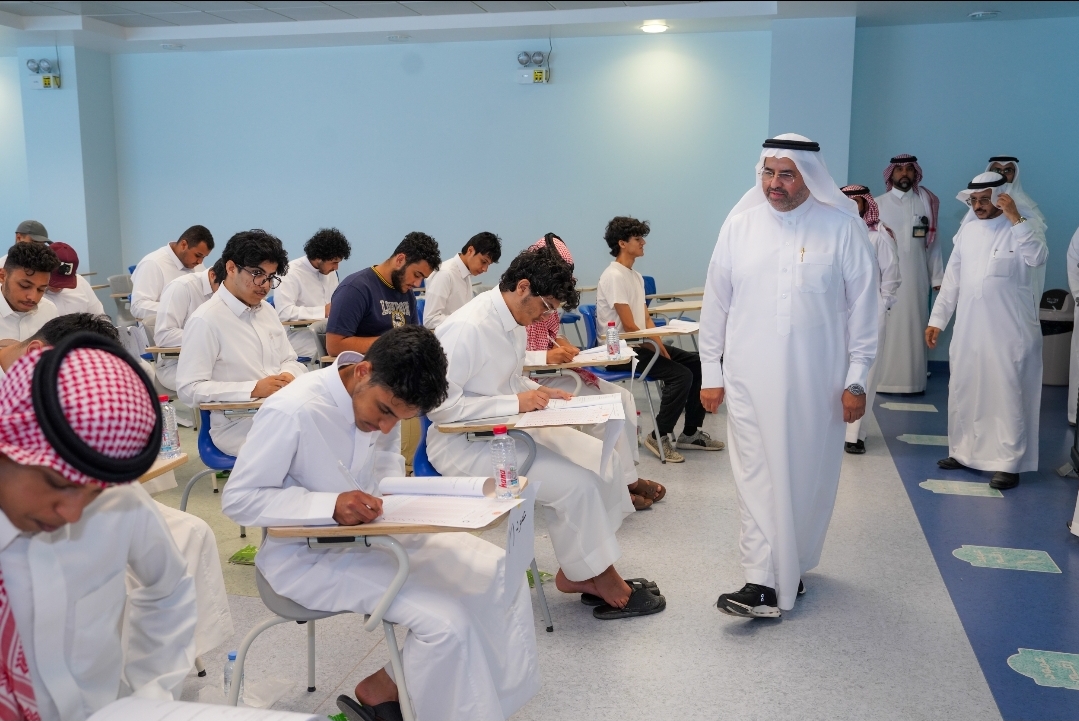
{"x":230,"y":666}
{"x":612,"y":340}
{"x":170,"y":435}
{"x":638,"y":429}
{"x":504,"y":458}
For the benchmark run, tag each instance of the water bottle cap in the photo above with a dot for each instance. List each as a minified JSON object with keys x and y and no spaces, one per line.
{"x":610,"y":324}
{"x":232,"y":655}
{"x":499,"y":430}
{"x":163,"y":399}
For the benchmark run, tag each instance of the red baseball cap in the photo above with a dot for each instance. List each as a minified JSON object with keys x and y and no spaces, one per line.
{"x":65,"y":276}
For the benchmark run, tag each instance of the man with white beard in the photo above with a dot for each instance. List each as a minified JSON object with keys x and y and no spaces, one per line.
{"x":788,"y":333}
{"x":910,"y":210}
{"x":993,"y":284}
{"x":882,"y":239}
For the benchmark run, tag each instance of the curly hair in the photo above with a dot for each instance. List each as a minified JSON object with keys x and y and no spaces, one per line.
{"x":327,"y":244}
{"x":31,"y":257}
{"x":548,"y":276}
{"x":62,"y":326}
{"x":623,"y":227}
{"x":219,"y":270}
{"x":485,"y":243}
{"x":250,"y":248}
{"x":410,"y":363}
{"x":419,"y":246}
{"x":197,"y":234}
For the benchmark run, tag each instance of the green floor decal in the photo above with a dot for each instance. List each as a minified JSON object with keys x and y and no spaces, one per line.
{"x":1047,"y":668}
{"x":917,"y":407}
{"x":961,"y":488}
{"x":1015,"y":559}
{"x":918,"y":440}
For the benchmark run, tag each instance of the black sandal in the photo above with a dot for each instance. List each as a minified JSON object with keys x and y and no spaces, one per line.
{"x":591,"y":599}
{"x":642,"y":602}
{"x":356,"y":711}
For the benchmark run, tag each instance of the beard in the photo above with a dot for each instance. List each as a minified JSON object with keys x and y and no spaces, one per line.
{"x":904,"y":184}
{"x":397,"y":280}
{"x":789,"y":202}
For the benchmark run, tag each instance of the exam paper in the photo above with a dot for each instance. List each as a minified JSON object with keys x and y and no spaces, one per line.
{"x":600,"y":352}
{"x":449,"y":511}
{"x":586,"y":416}
{"x":145,"y":709}
{"x":438,"y":486}
{"x":687,"y":326}
{"x":605,"y":399}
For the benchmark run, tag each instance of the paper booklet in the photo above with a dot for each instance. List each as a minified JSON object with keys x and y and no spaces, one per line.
{"x":144,"y":709}
{"x":438,"y":486}
{"x":450,"y":501}
{"x":600,"y":352}
{"x":687,"y":326}
{"x":604,"y":399}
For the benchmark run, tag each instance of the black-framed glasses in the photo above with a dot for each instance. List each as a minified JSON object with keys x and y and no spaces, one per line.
{"x":261,"y":277}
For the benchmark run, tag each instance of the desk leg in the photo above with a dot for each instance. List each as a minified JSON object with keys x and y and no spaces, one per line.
{"x":648,"y":395}
{"x":310,"y":657}
{"x":391,"y":544}
{"x":577,"y":384}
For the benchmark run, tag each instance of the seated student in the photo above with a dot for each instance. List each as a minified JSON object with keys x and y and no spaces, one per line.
{"x":620,"y":298}
{"x":69,"y":291}
{"x":485,"y":345}
{"x":29,"y":231}
{"x":450,"y":287}
{"x":234,"y":347}
{"x":192,"y":535}
{"x":179,"y":300}
{"x":371,"y":301}
{"x":470,"y":652}
{"x":545,"y":345}
{"x":75,"y":638}
{"x":306,"y":291}
{"x":165,"y":264}
{"x":23,"y":282}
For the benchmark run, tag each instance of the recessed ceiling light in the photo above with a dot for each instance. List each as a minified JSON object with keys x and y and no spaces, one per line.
{"x":398,"y":38}
{"x":654,"y":26}
{"x":983,"y":14}
{"x":171,"y":46}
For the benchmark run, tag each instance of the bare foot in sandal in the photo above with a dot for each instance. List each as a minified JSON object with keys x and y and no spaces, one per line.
{"x":648,"y":489}
{"x":608,"y":585}
{"x":640,"y":503}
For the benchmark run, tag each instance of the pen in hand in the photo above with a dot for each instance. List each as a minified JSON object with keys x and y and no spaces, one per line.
{"x":355,"y":507}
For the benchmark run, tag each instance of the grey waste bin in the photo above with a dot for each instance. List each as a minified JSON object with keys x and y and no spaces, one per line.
{"x":1057,"y":316}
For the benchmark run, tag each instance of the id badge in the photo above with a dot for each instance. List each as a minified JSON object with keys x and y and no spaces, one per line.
{"x":920,"y":231}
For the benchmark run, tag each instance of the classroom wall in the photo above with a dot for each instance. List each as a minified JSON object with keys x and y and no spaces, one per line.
{"x":14,"y":184}
{"x":383,"y":140}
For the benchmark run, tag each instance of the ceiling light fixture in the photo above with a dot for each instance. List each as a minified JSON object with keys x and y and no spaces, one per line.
{"x":398,"y":38}
{"x":983,"y":14}
{"x":654,"y":26}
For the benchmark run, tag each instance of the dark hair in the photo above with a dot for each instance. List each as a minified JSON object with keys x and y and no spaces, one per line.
{"x":547,"y":276}
{"x":623,"y":228}
{"x":219,"y":270}
{"x":62,"y":326}
{"x":32,"y":257}
{"x":197,"y":234}
{"x":249,"y":248}
{"x":327,"y":244}
{"x":419,"y":246}
{"x":410,"y":363}
{"x":485,"y":243}
{"x":548,"y":243}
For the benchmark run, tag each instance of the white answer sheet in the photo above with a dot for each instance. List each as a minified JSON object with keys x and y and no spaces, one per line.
{"x":449,"y":511}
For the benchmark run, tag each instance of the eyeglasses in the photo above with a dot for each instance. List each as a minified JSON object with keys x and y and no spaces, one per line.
{"x":260,"y":277}
{"x":549,"y":310}
{"x":785,"y":176}
{"x":1005,"y":170}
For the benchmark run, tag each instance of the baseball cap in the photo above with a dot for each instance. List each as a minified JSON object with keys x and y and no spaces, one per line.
{"x":65,"y":275}
{"x":34,"y":229}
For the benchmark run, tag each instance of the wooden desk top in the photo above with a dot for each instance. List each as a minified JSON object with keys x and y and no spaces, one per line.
{"x":586,"y":288}
{"x":688,"y":293}
{"x":578,"y":364}
{"x":300,"y":323}
{"x":162,"y":466}
{"x":100,"y":286}
{"x":655,"y":333}
{"x":253,"y":404}
{"x":162,"y":349}
{"x":479,"y":425}
{"x":88,"y":274}
{"x":119,"y":295}
{"x":327,"y":359}
{"x":681,"y":306}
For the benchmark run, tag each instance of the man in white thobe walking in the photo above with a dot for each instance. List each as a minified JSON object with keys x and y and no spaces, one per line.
{"x":788,"y":333}
{"x":993,"y":285}
{"x":470,"y":652}
{"x":910,"y":210}
{"x":882,"y":241}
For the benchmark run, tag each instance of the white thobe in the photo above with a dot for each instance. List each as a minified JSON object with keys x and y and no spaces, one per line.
{"x":790,"y":306}
{"x":67,"y":594}
{"x":229,"y":347}
{"x":178,"y":301}
{"x":20,"y":326}
{"x":1073,"y":285}
{"x":903,"y":354}
{"x":303,"y":295}
{"x":890,"y":279}
{"x":470,"y":652}
{"x":152,"y":274}
{"x":993,"y":286}
{"x":446,"y":291}
{"x":486,"y":349}
{"x":80,"y":299}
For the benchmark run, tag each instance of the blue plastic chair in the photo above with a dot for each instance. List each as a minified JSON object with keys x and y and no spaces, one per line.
{"x":650,"y":289}
{"x":589,"y":313}
{"x":269,"y":299}
{"x":215,"y":459}
{"x":569,"y":318}
{"x":130,"y":269}
{"x":420,"y":303}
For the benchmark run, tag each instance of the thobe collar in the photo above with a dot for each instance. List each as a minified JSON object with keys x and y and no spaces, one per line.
{"x":509,"y":323}
{"x":234,"y":304}
{"x":204,"y":283}
{"x":900,"y":193}
{"x":6,"y":310}
{"x":459,"y":265}
{"x":306,"y":265}
{"x":175,"y":259}
{"x":336,"y":386}
{"x":795,"y":215}
{"x":8,"y":532}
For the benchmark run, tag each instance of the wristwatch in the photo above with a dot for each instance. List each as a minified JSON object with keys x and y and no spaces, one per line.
{"x":856,"y":389}
{"x":1021,"y":220}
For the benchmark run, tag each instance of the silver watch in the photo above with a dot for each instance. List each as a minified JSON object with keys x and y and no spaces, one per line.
{"x":856,"y":389}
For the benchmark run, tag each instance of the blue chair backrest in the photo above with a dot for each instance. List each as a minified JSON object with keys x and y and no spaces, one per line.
{"x":588,"y":312}
{"x":420,"y":302}
{"x":208,"y":452}
{"x":269,"y":299}
{"x":649,"y":287}
{"x":130,"y":269}
{"x":421,"y":465}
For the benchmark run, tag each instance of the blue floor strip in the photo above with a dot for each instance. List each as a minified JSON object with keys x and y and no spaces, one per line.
{"x":1002,"y":611}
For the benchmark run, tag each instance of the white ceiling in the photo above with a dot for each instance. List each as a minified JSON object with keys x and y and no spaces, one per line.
{"x":146,"y":26}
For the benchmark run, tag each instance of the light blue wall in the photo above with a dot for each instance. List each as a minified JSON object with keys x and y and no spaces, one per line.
{"x":380,"y":141}
{"x":14,"y":185}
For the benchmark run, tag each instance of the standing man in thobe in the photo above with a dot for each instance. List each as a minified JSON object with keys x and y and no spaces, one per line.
{"x":306,"y":290}
{"x":993,"y":285}
{"x":450,"y":287}
{"x":910,"y":210}
{"x":164,"y":265}
{"x":883,"y":241}
{"x":788,"y":333}
{"x":1073,"y":285}
{"x":470,"y":650}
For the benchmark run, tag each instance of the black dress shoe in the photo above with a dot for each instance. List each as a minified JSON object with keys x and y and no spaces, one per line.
{"x":1003,"y":481}
{"x":949,"y":464}
{"x":855,"y":448}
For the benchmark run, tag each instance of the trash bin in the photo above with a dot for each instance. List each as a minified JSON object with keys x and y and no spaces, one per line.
{"x":1057,"y":316}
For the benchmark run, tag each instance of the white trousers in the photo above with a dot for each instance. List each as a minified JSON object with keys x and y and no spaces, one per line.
{"x":855,"y":431}
{"x":165,"y":371}
{"x":470,"y":653}
{"x":229,"y":434}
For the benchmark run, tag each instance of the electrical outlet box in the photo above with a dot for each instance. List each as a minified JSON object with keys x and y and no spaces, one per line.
{"x":529,"y":76}
{"x":45,"y":82}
